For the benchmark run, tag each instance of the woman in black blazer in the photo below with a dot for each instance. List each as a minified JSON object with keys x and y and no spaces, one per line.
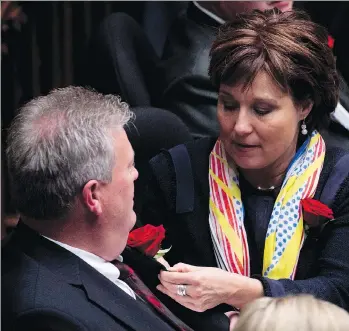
{"x":236,"y":209}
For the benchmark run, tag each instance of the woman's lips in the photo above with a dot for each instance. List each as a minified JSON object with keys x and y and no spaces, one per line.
{"x":244,"y":147}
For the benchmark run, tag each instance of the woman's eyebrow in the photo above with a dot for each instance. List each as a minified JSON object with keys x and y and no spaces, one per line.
{"x":269,"y":101}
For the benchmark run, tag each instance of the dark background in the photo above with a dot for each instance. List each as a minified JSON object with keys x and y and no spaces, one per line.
{"x":50,"y":48}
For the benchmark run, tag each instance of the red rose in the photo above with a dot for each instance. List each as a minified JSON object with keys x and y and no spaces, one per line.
{"x":330,"y":42}
{"x":147,"y":239}
{"x":314,"y":211}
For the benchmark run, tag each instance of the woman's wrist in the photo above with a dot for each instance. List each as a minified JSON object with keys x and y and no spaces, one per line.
{"x":255,"y":291}
{"x":244,"y":290}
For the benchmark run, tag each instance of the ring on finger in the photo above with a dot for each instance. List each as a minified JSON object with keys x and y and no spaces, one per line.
{"x":182,"y":290}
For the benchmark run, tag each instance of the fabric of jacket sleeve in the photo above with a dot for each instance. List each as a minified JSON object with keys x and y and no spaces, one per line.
{"x":331,"y":282}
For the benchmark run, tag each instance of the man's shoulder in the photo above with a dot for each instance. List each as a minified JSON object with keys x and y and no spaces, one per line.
{"x":26,"y":283}
{"x":33,"y":295}
{"x":187,"y":47}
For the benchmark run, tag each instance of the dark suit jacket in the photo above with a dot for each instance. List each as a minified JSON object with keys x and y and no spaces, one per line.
{"x":46,"y":287}
{"x":323,"y":268}
{"x":188,"y":91}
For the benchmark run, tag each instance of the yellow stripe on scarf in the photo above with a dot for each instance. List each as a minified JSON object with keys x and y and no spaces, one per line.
{"x":285,"y":266}
{"x":284,"y":239}
{"x":233,"y":192}
{"x":290,"y":189}
{"x":229,"y":232}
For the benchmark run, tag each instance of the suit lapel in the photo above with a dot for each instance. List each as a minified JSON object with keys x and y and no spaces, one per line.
{"x":117,"y":303}
{"x":69,"y":268}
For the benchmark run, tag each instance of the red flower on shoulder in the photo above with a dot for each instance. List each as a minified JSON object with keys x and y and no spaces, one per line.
{"x":314,"y":212}
{"x":147,"y":239}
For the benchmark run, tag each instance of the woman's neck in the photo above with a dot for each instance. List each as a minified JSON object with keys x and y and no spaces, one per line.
{"x":271,"y":176}
{"x":264,"y":179}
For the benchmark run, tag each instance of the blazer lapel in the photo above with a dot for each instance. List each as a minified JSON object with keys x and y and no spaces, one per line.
{"x":117,"y":303}
{"x":71,"y":269}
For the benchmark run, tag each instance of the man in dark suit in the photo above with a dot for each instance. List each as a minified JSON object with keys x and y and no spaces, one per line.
{"x":72,"y":177}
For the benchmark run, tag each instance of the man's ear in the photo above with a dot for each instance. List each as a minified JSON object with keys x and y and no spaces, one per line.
{"x":91,"y":196}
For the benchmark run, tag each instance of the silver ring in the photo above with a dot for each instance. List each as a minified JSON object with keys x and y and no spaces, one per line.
{"x":182,"y":290}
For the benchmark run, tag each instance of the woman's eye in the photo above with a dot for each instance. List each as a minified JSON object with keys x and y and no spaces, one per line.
{"x":229,"y":106}
{"x":262,"y":111}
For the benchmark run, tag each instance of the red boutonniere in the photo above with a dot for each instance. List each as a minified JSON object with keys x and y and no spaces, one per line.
{"x":330,"y":41}
{"x":315,"y":212}
{"x":148,"y":239}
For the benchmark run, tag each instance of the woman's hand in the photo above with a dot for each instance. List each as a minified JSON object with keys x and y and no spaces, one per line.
{"x":208,"y":287}
{"x":163,"y":262}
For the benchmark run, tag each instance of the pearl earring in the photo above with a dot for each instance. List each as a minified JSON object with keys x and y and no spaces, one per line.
{"x":304,"y":128}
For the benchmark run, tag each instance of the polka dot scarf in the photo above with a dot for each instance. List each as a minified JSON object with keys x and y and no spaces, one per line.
{"x":285,"y":234}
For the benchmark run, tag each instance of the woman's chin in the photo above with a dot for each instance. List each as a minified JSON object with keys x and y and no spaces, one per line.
{"x":249,"y":163}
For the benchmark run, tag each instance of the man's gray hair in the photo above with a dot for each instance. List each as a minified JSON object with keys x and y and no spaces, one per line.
{"x":57,"y":143}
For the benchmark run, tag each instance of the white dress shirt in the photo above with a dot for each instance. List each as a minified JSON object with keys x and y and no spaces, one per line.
{"x":104,"y":267}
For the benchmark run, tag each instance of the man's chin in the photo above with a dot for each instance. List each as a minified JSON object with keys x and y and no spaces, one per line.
{"x":133,"y":219}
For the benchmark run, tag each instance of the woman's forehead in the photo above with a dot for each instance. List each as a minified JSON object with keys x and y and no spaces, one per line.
{"x":261,"y":84}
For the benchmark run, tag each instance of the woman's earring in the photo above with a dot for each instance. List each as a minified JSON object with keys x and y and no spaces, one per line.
{"x":304,"y":128}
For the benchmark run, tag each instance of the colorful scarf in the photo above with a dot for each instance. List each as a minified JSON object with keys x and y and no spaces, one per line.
{"x":285,"y":234}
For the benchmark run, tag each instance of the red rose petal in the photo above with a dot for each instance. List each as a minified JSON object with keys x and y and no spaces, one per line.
{"x":147,"y":238}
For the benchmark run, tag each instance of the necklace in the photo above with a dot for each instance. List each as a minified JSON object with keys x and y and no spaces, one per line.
{"x":271,"y":188}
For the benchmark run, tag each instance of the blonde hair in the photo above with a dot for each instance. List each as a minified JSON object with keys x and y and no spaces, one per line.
{"x":292,"y":313}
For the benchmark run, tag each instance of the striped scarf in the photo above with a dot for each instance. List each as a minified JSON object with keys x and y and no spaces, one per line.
{"x":285,"y":234}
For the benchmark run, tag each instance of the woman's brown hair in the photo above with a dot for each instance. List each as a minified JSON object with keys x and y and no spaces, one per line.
{"x":289,"y":47}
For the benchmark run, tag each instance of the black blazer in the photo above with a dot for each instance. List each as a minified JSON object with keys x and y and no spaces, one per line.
{"x":46,"y":287}
{"x":323,"y":268}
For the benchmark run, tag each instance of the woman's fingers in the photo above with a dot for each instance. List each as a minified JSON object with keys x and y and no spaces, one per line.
{"x":185,"y":301}
{"x":178,"y":277}
{"x":163,"y":262}
{"x":173,"y":288}
{"x":182,"y":267}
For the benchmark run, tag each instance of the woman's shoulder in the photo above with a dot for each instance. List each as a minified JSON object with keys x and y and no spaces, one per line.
{"x":336,"y":144}
{"x":334,"y":179}
{"x":185,"y":161}
{"x":197,"y":150}
{"x":337,"y":148}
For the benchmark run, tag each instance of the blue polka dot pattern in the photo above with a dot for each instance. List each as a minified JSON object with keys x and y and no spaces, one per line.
{"x":285,"y":217}
{"x":286,"y":213}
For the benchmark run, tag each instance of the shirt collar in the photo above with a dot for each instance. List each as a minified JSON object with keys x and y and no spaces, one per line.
{"x":93,"y":260}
